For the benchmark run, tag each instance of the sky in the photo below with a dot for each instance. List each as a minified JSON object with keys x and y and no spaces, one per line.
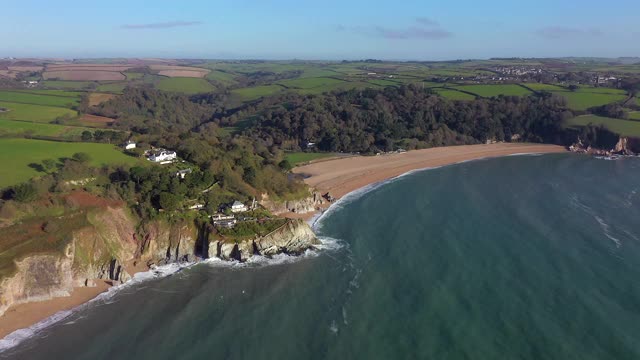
{"x":320,"y":30}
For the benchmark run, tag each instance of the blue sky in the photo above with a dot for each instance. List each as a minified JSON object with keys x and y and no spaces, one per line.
{"x":328,"y":29}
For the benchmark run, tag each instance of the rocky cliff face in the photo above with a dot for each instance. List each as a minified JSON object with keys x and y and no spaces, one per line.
{"x":108,"y":239}
{"x":301,"y":206}
{"x":624,"y":146}
{"x":96,"y":250}
{"x":294,"y":237}
{"x":165,"y":243}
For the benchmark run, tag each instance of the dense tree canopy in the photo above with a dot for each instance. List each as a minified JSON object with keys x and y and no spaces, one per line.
{"x":408,"y":117}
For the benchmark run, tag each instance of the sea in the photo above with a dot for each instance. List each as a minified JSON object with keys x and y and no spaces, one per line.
{"x":520,"y":257}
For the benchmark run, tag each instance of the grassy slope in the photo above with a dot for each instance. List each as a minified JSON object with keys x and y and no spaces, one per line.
{"x":21,"y":128}
{"x":622,"y":127}
{"x":35,"y":113}
{"x":494,"y":90}
{"x":584,"y":100}
{"x":256,"y":92}
{"x":297,"y":158}
{"x":38,"y":99}
{"x":72,"y":85}
{"x":454,"y":95}
{"x":17,"y":154}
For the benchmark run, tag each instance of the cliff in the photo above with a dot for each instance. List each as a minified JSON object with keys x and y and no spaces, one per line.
{"x":624,"y":146}
{"x":301,"y":206}
{"x":43,"y":258}
{"x":294,"y":237}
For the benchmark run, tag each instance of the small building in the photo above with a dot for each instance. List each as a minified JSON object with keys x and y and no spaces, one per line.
{"x":182,"y":173}
{"x":196,"y":207}
{"x":218,"y":217}
{"x":228,"y":224}
{"x":238,"y":207}
{"x":163,"y":156}
{"x":130,"y":145}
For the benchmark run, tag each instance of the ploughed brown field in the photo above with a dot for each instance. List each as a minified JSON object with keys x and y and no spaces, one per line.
{"x":83,"y":75}
{"x":8,"y":73}
{"x":179,"y":71}
{"x":89,"y":67}
{"x":25,"y":68}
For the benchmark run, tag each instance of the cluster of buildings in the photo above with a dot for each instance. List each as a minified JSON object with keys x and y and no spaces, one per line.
{"x":229,"y":221}
{"x":517,"y":70}
{"x":162,"y":156}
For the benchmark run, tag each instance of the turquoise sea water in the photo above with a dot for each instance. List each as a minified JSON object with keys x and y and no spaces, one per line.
{"x":527,"y":257}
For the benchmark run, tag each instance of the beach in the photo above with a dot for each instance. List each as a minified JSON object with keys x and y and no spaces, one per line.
{"x":337,"y":176}
{"x":21,"y":316}
{"x":341,"y":176}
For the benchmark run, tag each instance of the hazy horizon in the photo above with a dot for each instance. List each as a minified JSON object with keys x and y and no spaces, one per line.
{"x":332,"y":30}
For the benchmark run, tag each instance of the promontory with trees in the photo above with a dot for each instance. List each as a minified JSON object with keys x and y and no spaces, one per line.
{"x":228,"y":174}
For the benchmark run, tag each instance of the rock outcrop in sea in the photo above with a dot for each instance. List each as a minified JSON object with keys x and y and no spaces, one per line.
{"x":294,"y":237}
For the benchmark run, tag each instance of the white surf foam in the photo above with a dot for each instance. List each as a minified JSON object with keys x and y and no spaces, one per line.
{"x":18,"y":336}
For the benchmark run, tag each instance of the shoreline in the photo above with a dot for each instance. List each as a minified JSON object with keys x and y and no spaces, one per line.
{"x":25,"y":315}
{"x":342,"y":176}
{"x":338,"y":176}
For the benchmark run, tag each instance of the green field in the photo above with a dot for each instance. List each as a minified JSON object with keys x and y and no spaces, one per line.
{"x":24,"y":128}
{"x":586,"y":100}
{"x":601,"y":90}
{"x":222,"y":77}
{"x":17,"y":154}
{"x":116,"y":88}
{"x":35,"y":113}
{"x":298,"y":158}
{"x":64,"y":93}
{"x":185,"y":85}
{"x":256,"y":92}
{"x":133,"y":75}
{"x":311,"y":83}
{"x":619,"y":126}
{"x":454,"y":95}
{"x":38,"y":99}
{"x":544,"y":87}
{"x":634,"y":115}
{"x":72,"y":85}
{"x":494,"y":90}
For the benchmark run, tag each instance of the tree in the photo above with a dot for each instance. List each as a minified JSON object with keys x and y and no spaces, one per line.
{"x":25,"y":193}
{"x":168,"y":201}
{"x":87,"y":135}
{"x":81,"y":157}
{"x":49,"y":165}
{"x":285,"y":165}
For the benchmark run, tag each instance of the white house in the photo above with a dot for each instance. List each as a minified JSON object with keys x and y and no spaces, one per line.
{"x":238,"y":207}
{"x":163,"y":156}
{"x":130,"y":145}
{"x":182,"y":173}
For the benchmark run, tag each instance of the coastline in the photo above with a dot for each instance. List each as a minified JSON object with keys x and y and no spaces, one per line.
{"x":24,"y":315}
{"x":341,"y":176}
{"x":338,"y":176}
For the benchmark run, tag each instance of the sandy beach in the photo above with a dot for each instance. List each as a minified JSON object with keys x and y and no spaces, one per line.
{"x":21,"y":316}
{"x":341,"y":176}
{"x":24,"y":315}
